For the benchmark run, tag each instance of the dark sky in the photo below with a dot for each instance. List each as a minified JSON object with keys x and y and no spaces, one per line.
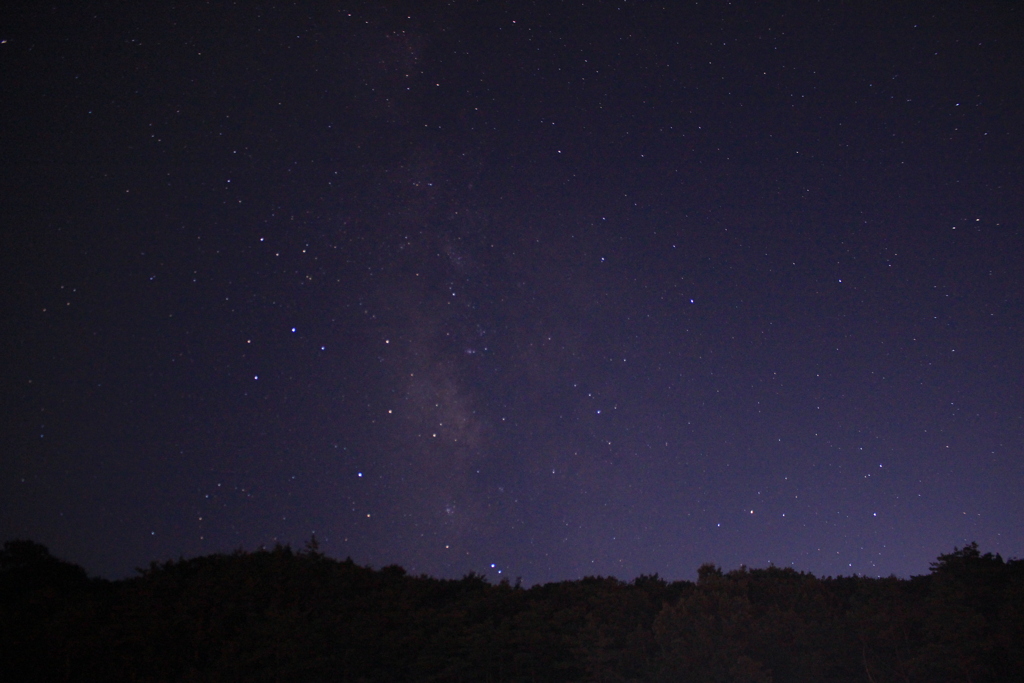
{"x":550,"y":289}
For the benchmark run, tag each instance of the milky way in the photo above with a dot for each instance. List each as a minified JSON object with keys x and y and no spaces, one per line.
{"x":531,"y":291}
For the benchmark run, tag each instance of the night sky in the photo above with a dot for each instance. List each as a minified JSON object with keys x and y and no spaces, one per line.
{"x":530,"y":289}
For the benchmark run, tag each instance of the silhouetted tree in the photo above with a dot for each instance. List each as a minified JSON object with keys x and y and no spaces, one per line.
{"x":279,"y":615}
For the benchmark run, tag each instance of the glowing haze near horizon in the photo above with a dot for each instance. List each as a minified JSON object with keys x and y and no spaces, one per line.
{"x":537,"y":290}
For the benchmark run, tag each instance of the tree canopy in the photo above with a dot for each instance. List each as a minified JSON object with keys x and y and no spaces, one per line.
{"x":285,"y":615}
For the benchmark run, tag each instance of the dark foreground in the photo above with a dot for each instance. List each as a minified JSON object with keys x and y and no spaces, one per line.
{"x":281,"y":615}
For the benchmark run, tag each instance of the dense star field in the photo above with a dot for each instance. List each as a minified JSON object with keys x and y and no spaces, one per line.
{"x":528,"y":289}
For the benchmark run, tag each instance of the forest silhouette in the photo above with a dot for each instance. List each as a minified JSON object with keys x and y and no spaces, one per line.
{"x":286,"y":615}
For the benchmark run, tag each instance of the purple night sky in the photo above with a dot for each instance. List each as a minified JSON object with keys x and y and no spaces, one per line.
{"x":534,"y":289}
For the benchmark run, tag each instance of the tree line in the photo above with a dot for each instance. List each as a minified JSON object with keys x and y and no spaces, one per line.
{"x":285,"y":615}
